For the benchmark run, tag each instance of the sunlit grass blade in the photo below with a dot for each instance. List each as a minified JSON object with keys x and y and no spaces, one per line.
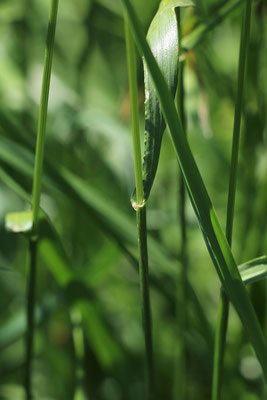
{"x":254,"y":274}
{"x":253,"y":263}
{"x":214,"y":237}
{"x":253,"y":270}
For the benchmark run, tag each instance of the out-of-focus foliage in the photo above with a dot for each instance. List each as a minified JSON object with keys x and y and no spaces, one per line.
{"x":91,"y":315}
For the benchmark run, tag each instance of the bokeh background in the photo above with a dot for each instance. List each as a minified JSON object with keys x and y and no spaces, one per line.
{"x":89,"y":340}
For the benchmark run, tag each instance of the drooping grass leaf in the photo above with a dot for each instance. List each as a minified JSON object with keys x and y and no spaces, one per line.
{"x":213,"y":234}
{"x":163,"y":39}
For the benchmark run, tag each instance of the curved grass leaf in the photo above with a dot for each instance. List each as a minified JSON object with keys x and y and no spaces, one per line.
{"x":252,"y":263}
{"x":213,"y":234}
{"x":254,"y":270}
{"x":163,"y":39}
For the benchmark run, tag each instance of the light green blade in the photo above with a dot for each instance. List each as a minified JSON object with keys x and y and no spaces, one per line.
{"x":254,"y":270}
{"x":163,"y":39}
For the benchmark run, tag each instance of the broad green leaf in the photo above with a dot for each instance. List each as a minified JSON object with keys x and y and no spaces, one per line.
{"x":213,"y":234}
{"x":254,"y":270}
{"x":164,"y":42}
{"x":19,"y":221}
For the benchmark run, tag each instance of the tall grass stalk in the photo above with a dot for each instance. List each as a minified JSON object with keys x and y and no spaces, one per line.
{"x":140,"y":208}
{"x":180,"y":375}
{"x":40,"y":145}
{"x":221,"y":329}
{"x":36,"y":194}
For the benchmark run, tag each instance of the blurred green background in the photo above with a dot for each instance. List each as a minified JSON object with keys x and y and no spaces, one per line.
{"x":89,"y":340}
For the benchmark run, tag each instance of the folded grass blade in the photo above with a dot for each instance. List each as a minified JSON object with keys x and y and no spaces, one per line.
{"x":163,"y":39}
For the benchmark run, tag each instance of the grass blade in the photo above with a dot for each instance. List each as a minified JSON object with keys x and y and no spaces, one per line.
{"x":253,"y":270}
{"x":214,"y":237}
{"x":220,"y":339}
{"x":254,"y":274}
{"x":163,"y":39}
{"x":253,"y":263}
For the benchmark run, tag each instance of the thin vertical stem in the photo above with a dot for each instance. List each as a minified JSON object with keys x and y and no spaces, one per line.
{"x":181,"y":296}
{"x":36,"y":194}
{"x":39,"y":154}
{"x":30,"y":317}
{"x":145,"y":297}
{"x":222,"y":322}
{"x":140,"y":213}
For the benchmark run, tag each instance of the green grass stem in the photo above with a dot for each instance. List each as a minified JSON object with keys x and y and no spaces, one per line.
{"x":180,"y":374}
{"x":40,"y":145}
{"x":145,"y":298}
{"x":222,"y":319}
{"x":36,"y":194}
{"x":140,"y":212}
{"x":30,"y":318}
